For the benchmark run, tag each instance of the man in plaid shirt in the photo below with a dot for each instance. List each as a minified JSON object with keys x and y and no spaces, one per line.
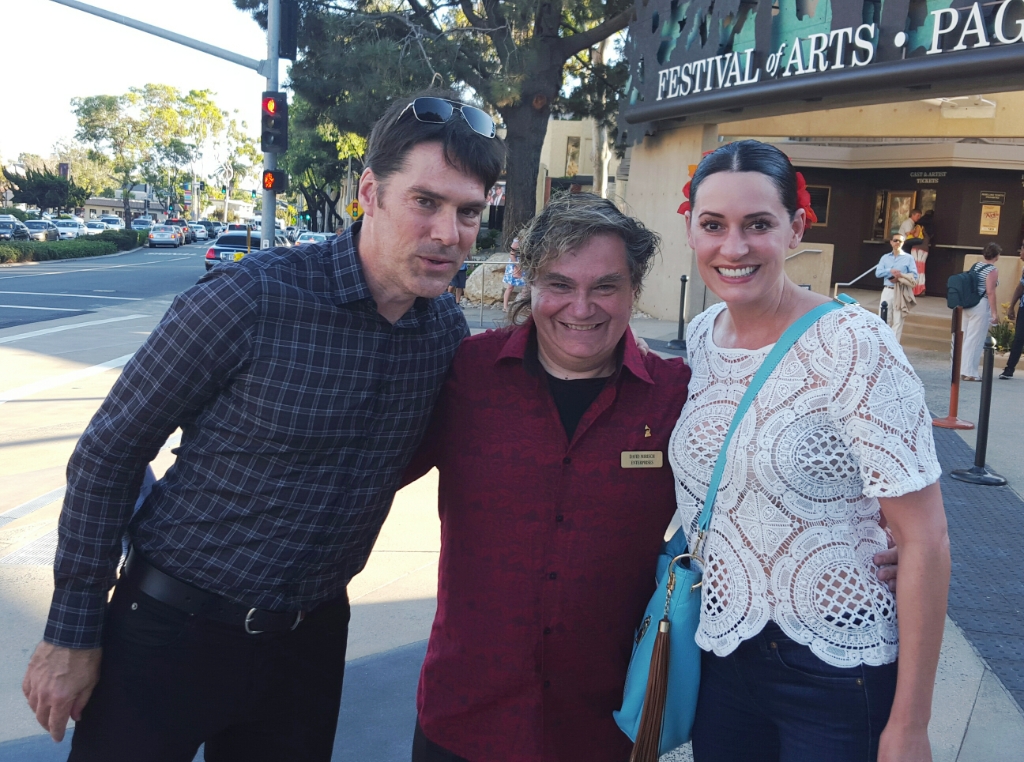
{"x":302,"y":380}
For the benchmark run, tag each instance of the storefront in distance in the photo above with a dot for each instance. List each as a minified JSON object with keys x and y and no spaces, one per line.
{"x":859,"y":209}
{"x":882,"y":106}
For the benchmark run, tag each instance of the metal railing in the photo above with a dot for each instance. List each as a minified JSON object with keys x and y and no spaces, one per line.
{"x":835,"y":291}
{"x":804,"y":251}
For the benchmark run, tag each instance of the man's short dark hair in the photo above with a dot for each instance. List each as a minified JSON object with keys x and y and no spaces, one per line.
{"x":398,"y":132}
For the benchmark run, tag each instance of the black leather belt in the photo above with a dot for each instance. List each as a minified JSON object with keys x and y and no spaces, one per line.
{"x":140,"y":574}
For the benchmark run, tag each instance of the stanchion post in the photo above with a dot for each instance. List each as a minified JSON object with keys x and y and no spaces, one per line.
{"x":952,"y":421}
{"x":883,"y":312}
{"x":679,"y":342}
{"x":978,"y":474}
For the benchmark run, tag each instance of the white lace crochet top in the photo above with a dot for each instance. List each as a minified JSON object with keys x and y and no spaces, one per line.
{"x":841,"y":422}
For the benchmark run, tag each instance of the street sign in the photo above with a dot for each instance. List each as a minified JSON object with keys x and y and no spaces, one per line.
{"x":353,"y":209}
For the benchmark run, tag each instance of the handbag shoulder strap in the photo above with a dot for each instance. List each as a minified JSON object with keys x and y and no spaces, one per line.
{"x":782,"y":346}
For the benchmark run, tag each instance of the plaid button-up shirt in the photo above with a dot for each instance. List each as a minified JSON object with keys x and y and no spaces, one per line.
{"x":300,"y":406}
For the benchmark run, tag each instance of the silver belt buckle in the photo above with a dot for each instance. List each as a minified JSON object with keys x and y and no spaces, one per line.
{"x":248,"y":619}
{"x":299,"y":616}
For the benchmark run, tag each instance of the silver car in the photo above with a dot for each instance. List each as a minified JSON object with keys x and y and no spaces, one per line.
{"x":70,"y":229}
{"x":164,"y":235}
{"x":95,"y":227}
{"x":200,"y":232}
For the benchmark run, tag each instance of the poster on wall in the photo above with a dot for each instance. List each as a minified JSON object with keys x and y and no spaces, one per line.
{"x":990,"y":219}
{"x":901,"y":204}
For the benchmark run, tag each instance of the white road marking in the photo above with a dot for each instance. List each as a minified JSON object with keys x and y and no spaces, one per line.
{"x":59,"y":328}
{"x":83,"y":269}
{"x":76,"y":296}
{"x":45,"y":309}
{"x":49,"y":383}
{"x":32,"y":505}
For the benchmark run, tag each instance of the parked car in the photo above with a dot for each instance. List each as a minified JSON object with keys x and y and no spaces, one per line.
{"x":182,"y":236}
{"x":309,"y":237}
{"x":199,"y":231}
{"x":70,"y":229}
{"x":42,"y":230}
{"x":212,"y":228}
{"x":13,"y":230}
{"x":164,"y":235}
{"x":231,"y":246}
{"x":142,"y":223}
{"x":190,"y":237}
{"x":95,"y":227}
{"x":113,"y":221}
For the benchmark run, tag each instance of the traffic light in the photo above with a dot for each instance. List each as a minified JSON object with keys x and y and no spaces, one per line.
{"x":287,"y":44}
{"x":202,"y":186}
{"x":275,"y":180}
{"x":274,"y":135}
{"x":254,"y":194}
{"x":224,"y":189}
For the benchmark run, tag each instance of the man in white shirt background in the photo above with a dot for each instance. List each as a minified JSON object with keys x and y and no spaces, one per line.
{"x":891,"y":267}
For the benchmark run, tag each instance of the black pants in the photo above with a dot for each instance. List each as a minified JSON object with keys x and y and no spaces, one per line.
{"x":170,"y":682}
{"x":1018,"y":343}
{"x":425,"y":750}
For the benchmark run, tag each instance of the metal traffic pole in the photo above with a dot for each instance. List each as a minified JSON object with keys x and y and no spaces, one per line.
{"x":978,"y":474}
{"x":269,"y":216}
{"x":953,"y":421}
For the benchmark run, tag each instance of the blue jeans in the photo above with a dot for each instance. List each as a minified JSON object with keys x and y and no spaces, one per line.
{"x":772,"y":700}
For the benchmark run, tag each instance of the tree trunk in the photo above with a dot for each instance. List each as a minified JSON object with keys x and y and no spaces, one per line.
{"x":527,"y":123}
{"x":602,"y":150}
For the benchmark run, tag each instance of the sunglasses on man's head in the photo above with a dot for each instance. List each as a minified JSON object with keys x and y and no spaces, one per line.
{"x":439,"y":110}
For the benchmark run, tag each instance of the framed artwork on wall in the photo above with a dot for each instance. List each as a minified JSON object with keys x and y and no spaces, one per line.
{"x":820,"y":198}
{"x":898,"y":209}
{"x":926,"y":200}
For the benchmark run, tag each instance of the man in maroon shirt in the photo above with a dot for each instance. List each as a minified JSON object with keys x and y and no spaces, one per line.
{"x":549,"y":536}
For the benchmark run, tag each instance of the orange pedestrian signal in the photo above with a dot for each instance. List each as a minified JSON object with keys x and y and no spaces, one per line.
{"x":275,"y":180}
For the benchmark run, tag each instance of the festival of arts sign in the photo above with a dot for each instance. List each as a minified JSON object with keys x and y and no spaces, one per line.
{"x":746,"y":57}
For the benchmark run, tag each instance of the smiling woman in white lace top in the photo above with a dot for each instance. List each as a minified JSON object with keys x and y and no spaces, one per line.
{"x":800,"y":637}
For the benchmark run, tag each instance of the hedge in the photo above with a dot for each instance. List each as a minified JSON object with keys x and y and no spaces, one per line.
{"x":107,"y":242}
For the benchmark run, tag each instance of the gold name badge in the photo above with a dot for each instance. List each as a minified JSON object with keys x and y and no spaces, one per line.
{"x":642,"y":459}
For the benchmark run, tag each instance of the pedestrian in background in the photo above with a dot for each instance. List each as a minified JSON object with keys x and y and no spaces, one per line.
{"x":982,"y":316}
{"x":890,"y":268}
{"x":513,"y":274}
{"x":1016,"y":312}
{"x":302,"y":380}
{"x":458,"y":285}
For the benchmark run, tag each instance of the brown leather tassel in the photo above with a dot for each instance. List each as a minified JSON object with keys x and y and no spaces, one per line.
{"x":648,"y":736}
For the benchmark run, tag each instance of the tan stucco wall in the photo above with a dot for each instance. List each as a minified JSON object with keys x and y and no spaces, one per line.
{"x":659,"y":168}
{"x":910,"y":119}
{"x":1010,"y":267}
{"x":554,"y":151}
{"x":810,"y":268}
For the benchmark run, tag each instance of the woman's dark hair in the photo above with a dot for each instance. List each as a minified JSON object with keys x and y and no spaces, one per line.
{"x":398,"y":132}
{"x":750,"y":156}
{"x":992,"y":250}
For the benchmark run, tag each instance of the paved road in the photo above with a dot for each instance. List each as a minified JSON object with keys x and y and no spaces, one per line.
{"x":48,"y":291}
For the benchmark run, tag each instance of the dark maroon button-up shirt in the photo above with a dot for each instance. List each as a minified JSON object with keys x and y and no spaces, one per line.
{"x":548,"y":550}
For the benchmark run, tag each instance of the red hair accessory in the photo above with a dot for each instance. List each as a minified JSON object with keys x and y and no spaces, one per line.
{"x":685,"y":206}
{"x":803,"y":198}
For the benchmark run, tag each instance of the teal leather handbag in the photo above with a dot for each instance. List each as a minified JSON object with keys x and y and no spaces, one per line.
{"x":660,"y":698}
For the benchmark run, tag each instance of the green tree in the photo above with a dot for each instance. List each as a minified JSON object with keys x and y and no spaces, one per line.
{"x":511,"y":53}
{"x":115,"y":126}
{"x":89,"y":168}
{"x":45,"y":189}
{"x":239,"y":156}
{"x":317,"y":163}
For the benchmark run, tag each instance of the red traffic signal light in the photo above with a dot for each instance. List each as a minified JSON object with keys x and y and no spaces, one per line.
{"x":274,"y":123}
{"x":275,"y":180}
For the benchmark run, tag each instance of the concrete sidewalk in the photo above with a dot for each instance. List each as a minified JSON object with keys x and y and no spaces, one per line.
{"x":975,"y":716}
